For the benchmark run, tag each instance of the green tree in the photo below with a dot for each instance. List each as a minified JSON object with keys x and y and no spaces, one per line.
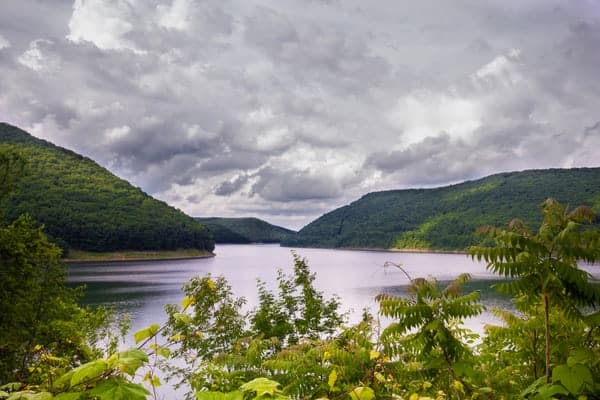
{"x":512,"y":355}
{"x":208,"y":331}
{"x":425,"y":327}
{"x":543,"y":265}
{"x":298,"y":311}
{"x":40,"y":319}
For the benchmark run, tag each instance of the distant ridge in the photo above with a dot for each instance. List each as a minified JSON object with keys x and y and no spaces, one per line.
{"x":244,"y":230}
{"x":445,"y":218}
{"x":85,"y":207}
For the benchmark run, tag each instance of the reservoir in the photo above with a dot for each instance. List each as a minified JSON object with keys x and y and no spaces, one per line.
{"x":142,"y":289}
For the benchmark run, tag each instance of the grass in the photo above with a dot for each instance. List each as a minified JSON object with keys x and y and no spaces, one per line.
{"x":133,"y":255}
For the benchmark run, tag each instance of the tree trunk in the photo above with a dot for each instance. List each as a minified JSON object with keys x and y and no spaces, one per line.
{"x":547,"y":325}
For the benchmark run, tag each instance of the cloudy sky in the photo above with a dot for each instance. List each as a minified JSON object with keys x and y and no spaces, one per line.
{"x":286,"y":109}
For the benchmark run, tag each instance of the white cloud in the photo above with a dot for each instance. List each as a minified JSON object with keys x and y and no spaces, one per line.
{"x":422,"y":114}
{"x":40,"y":58}
{"x":185,"y":97}
{"x":176,"y":16}
{"x":504,"y":70}
{"x":4,"y":43}
{"x":105,"y":24}
{"x":117,"y":133}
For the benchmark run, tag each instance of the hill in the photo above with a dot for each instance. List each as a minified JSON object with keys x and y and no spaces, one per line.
{"x":85,"y":207}
{"x":445,"y":218}
{"x":244,"y":230}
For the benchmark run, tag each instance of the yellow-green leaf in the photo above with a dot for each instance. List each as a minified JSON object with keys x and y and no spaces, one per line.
{"x":88,"y":372}
{"x":332,"y":379}
{"x":145,"y":333}
{"x":362,"y":393}
{"x":186,"y":302}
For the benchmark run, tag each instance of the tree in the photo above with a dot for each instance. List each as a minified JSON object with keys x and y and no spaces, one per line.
{"x":299,"y":311}
{"x":424,"y":327}
{"x":40,"y":319}
{"x":543,"y":265}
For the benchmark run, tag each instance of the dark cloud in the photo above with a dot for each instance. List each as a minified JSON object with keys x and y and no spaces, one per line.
{"x":229,"y":187}
{"x":286,"y":186}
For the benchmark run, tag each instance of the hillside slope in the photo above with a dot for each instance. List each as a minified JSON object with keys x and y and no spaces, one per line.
{"x":85,"y":207}
{"x":244,"y":230}
{"x":445,"y":218}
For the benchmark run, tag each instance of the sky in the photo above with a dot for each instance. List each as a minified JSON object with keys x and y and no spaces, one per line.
{"x":288,"y":109}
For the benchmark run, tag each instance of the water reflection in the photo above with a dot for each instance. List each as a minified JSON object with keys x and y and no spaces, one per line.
{"x":143,"y":288}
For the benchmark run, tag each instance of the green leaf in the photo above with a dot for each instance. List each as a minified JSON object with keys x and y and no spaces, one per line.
{"x":88,"y":372}
{"x":118,"y":389}
{"x":128,"y":361}
{"x":362,"y":393}
{"x":186,"y":302}
{"x":11,"y":386}
{"x":572,"y":378}
{"x":331,"y":380}
{"x":41,"y":396}
{"x":29,"y":395}
{"x":261,"y":386}
{"x":237,"y":395}
{"x":68,"y":396}
{"x":145,"y":333}
{"x":164,"y":352}
{"x":549,"y":391}
{"x":153,"y":380}
{"x":64,"y":381}
{"x":183,"y":318}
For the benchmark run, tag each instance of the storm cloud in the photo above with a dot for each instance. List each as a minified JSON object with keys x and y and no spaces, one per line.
{"x":287,"y":109}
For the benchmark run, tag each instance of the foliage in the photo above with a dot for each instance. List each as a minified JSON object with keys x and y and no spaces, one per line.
{"x":294,"y":345}
{"x":244,"y":230}
{"x":298,"y":312}
{"x":446,"y":218}
{"x":104,"y":379}
{"x":544,"y":265}
{"x":85,"y":207}
{"x":210,"y":328}
{"x":44,"y":331}
{"x":512,"y":354}
{"x":425,"y":329}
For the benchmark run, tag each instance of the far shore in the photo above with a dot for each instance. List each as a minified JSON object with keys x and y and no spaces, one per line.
{"x":78,"y":256}
{"x":384,"y":250}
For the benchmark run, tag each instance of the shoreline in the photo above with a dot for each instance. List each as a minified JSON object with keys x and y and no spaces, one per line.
{"x":384,"y":250}
{"x":135,"y":256}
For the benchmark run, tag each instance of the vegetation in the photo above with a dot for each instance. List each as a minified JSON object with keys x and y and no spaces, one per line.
{"x":446,"y":218}
{"x":295,"y":345}
{"x":44,"y":331}
{"x":84,"y":207}
{"x":244,"y":230}
{"x":85,"y":256}
{"x":545,"y":263}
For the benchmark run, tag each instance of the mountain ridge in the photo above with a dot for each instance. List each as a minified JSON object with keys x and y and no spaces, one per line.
{"x":244,"y":230}
{"x":445,"y":217}
{"x":85,"y":207}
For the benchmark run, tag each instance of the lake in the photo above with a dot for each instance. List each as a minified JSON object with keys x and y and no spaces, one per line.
{"x":143,"y":288}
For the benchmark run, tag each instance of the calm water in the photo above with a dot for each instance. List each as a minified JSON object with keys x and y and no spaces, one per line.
{"x":143,"y":288}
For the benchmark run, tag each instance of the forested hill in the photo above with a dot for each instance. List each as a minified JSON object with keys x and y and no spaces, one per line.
{"x":83,"y":206}
{"x":244,"y":230}
{"x":445,"y":218}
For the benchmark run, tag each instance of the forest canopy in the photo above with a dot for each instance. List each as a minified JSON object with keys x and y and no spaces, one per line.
{"x":446,"y":218}
{"x":85,"y":207}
